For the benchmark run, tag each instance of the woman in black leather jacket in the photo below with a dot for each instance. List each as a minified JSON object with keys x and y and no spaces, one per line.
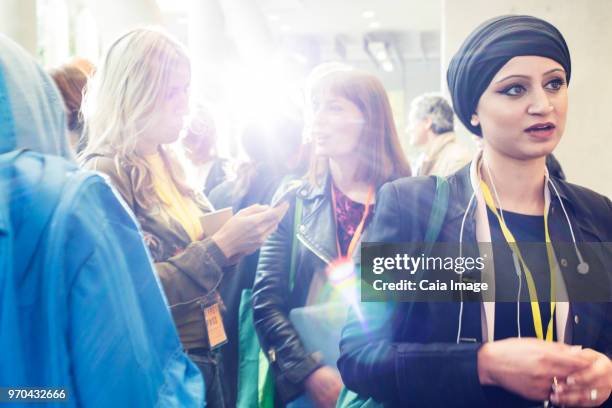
{"x":508,"y":82}
{"x":356,"y":150}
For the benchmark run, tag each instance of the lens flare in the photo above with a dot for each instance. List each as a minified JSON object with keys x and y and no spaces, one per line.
{"x":342,"y":278}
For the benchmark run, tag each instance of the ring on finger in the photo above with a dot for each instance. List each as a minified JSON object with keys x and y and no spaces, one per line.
{"x":555,"y":384}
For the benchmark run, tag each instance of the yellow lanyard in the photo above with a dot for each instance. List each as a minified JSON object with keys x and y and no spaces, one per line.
{"x":533,"y":294}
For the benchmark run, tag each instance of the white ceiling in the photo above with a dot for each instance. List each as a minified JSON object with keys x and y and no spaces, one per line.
{"x":346,"y":16}
{"x":321,"y":30}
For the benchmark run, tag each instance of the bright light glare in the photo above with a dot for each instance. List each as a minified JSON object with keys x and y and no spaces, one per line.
{"x":341,"y":272}
{"x":300,"y":58}
{"x":169,"y":6}
{"x":258,"y":91}
{"x":368,"y":14}
{"x":343,"y":279}
{"x":381,"y":55}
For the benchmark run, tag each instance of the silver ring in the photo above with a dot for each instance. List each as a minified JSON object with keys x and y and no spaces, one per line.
{"x":593,"y":394}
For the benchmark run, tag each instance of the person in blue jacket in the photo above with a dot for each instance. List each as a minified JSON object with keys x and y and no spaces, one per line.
{"x":81,"y":310}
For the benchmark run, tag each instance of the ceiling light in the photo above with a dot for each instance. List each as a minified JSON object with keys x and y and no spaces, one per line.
{"x":374,"y":24}
{"x":301,"y":58}
{"x":381,"y":55}
{"x":387,"y":66}
{"x":285,"y":27}
{"x":273,"y":17}
{"x":368,"y":14}
{"x":378,"y":50}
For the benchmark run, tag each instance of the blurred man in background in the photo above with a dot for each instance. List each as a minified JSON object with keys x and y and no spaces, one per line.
{"x":431,"y":128}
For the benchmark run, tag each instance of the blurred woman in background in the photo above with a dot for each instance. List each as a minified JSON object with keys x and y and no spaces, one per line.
{"x":200,"y":147}
{"x":273,"y":153}
{"x":71,"y":82}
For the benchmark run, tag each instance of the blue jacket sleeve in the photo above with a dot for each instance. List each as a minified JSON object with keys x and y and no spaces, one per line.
{"x":123,"y":344}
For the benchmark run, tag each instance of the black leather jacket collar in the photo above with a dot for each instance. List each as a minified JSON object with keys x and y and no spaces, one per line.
{"x":317,"y":230}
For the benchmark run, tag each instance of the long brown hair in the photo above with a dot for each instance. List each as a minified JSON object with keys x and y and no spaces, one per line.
{"x":379,"y":151}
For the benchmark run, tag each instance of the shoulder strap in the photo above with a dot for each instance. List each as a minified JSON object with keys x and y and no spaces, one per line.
{"x":297,"y":220}
{"x":439,"y":207}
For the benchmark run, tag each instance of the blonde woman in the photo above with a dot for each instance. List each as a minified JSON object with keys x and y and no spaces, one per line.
{"x":134,"y":107}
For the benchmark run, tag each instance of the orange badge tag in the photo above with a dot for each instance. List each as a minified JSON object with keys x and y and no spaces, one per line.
{"x":214,"y":326}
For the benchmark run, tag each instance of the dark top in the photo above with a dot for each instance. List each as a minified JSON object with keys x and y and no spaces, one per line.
{"x":216,"y":176}
{"x":526,"y":229}
{"x":348,"y":217}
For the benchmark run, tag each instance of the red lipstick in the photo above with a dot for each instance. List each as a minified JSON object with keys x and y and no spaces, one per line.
{"x":541,"y":130}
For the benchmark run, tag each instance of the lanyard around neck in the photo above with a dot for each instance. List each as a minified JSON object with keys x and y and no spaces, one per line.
{"x":533,"y":295}
{"x":360,"y":227}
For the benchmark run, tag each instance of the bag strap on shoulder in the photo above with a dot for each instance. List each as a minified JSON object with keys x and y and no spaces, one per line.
{"x":297,"y":220}
{"x":439,"y":207}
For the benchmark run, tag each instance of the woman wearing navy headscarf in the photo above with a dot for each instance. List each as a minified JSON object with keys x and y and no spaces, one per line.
{"x":508,"y":82}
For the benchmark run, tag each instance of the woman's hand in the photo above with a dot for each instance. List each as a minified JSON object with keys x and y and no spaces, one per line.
{"x":589,"y":387}
{"x":246,"y":231}
{"x":324,"y":386}
{"x":527,"y":366}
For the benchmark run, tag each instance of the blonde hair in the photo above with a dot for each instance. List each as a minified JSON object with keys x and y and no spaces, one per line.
{"x":125,"y":91}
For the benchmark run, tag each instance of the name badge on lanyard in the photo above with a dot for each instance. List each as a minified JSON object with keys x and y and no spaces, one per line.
{"x":214,"y":325}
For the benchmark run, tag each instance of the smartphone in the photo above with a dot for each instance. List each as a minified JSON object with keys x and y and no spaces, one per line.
{"x":213,"y":221}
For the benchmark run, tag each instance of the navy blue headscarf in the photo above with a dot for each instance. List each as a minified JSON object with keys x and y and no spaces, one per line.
{"x":488,"y":48}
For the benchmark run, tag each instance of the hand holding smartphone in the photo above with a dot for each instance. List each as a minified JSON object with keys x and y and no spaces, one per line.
{"x":213,"y":221}
{"x":246,"y":231}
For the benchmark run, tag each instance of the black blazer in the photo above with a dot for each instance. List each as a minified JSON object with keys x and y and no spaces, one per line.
{"x":406,"y":354}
